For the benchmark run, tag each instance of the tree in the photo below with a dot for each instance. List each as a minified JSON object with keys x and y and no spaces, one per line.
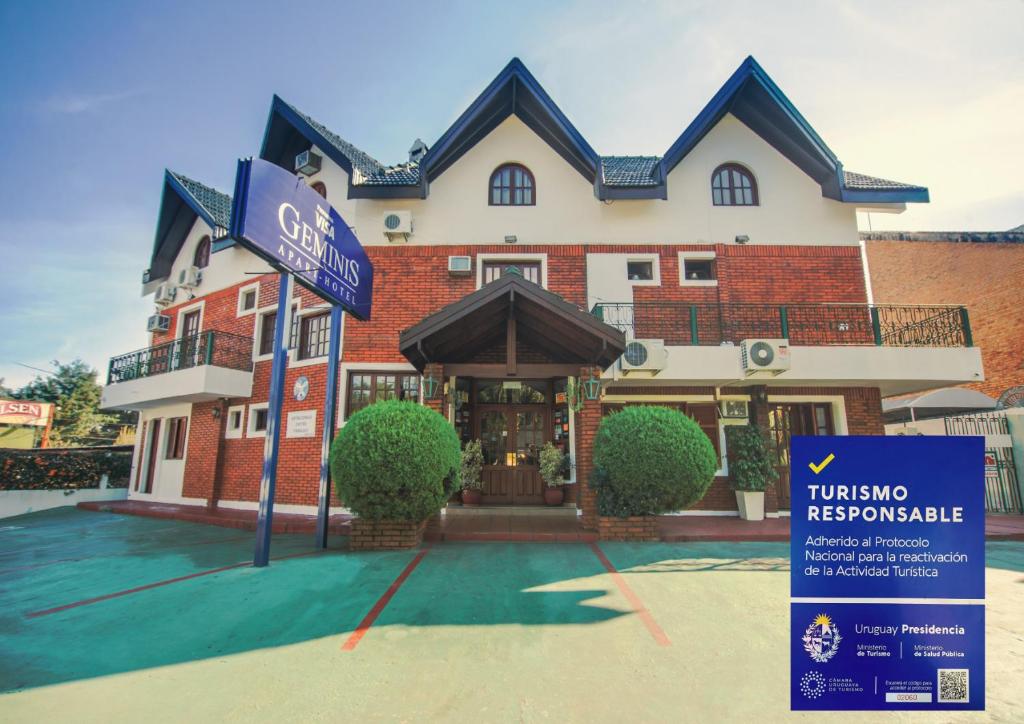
{"x":77,"y":420}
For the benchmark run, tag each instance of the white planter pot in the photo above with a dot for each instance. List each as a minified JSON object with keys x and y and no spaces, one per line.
{"x":751,"y":504}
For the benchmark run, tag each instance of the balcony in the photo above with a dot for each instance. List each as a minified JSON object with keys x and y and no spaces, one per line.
{"x":882,"y":325}
{"x":199,"y":367}
{"x":897,"y":348}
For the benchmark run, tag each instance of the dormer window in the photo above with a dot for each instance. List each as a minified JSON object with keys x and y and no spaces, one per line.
{"x":733,"y":185}
{"x":201,"y":258}
{"x":512,"y":185}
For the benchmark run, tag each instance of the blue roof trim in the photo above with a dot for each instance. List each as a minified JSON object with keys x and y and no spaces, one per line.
{"x":448,"y":149}
{"x":179,"y":194}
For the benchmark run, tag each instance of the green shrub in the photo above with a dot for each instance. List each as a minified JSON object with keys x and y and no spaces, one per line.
{"x":553,"y":464}
{"x":650,"y":460}
{"x":751,"y":466}
{"x":395,"y":461}
{"x":472,"y":466}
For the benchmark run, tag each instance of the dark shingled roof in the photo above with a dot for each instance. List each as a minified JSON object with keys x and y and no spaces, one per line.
{"x":217,"y":205}
{"x":629,"y":170}
{"x":407,"y":174}
{"x":367,"y":164}
{"x":863,"y":182}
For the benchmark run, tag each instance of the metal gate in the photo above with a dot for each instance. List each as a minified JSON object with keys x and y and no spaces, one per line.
{"x":1002,"y":490}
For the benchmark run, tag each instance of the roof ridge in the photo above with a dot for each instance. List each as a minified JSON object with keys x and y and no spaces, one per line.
{"x":362,"y":160}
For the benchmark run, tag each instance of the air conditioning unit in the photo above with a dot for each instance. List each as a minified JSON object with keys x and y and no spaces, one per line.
{"x":764,"y":357}
{"x":460,"y":265}
{"x":190,"y":277}
{"x":307,"y":163}
{"x":158,"y":323}
{"x":734,"y":409}
{"x":644,"y":356}
{"x":164,"y":295}
{"x":397,"y":225}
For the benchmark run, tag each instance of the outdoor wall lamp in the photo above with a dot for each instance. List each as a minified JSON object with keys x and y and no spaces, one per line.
{"x":742,"y":238}
{"x":430,"y":387}
{"x":511,"y":239}
{"x":592,"y":388}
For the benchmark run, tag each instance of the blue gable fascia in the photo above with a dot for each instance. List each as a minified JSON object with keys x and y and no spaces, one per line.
{"x":799,"y":141}
{"x":478,"y":119}
{"x":279,"y":108}
{"x":178,"y":211}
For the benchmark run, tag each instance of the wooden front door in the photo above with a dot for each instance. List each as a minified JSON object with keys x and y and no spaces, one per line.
{"x":786,"y":420}
{"x":511,"y":437}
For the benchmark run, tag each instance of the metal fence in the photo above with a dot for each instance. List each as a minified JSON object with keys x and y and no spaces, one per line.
{"x":681,"y":324}
{"x":219,"y":349}
{"x":1002,"y":488}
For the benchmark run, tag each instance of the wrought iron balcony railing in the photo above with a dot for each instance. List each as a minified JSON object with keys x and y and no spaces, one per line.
{"x":681,"y":324}
{"x":219,"y":349}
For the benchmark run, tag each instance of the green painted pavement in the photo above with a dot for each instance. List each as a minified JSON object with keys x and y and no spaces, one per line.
{"x":478,"y":632}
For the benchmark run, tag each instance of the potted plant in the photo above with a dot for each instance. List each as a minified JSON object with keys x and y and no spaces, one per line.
{"x":751,"y":468}
{"x":469,"y":474}
{"x":553,"y":463}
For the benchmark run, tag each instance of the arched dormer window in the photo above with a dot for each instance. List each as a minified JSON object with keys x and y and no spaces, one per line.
{"x":201,"y":258}
{"x":319,"y":187}
{"x":512,"y":185}
{"x":733,"y":185}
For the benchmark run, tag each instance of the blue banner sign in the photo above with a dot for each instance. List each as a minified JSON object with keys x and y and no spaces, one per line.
{"x":888,"y":517}
{"x":877,"y":518}
{"x":278,"y":217}
{"x":887,"y":656}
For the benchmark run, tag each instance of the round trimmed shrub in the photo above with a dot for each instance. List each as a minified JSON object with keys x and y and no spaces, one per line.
{"x":650,"y":460}
{"x":395,"y":461}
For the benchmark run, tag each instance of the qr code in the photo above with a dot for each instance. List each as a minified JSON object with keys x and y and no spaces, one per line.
{"x":953,"y":685}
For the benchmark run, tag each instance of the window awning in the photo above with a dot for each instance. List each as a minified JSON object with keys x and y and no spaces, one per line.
{"x":512,"y":311}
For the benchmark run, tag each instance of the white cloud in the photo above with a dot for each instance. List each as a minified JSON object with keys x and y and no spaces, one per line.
{"x":74,"y":103}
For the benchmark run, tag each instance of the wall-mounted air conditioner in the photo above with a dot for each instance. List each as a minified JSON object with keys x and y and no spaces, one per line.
{"x":645,"y":356}
{"x":764,"y":357}
{"x":460,"y":265}
{"x":158,"y":323}
{"x":190,"y":277}
{"x":165,"y":294}
{"x":307,"y":163}
{"x":734,"y":409}
{"x":397,"y":225}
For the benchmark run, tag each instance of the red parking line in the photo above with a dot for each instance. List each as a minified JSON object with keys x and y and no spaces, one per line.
{"x":383,"y":601}
{"x":158,"y":584}
{"x":634,"y":600}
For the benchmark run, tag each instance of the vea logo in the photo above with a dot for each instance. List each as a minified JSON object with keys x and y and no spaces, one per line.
{"x":305,"y":246}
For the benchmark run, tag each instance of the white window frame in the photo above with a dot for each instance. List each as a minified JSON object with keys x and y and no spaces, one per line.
{"x":251,"y":421}
{"x":345,"y":370}
{"x":481,"y":259}
{"x":696,"y":256}
{"x":234,"y":433}
{"x":293,"y":353}
{"x":242,"y":291}
{"x":179,"y":327}
{"x":655,"y":260}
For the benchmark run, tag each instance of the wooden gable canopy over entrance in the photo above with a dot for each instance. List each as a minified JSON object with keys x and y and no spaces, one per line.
{"x":512,"y":311}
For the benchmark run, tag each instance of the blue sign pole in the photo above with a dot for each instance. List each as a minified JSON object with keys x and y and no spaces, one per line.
{"x":323,"y":513}
{"x":264,"y":521}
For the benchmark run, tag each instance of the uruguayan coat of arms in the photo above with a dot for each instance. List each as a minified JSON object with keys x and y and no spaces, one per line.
{"x":821,"y":639}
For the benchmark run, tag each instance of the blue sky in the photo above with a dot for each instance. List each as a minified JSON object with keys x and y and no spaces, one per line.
{"x":98,"y":98}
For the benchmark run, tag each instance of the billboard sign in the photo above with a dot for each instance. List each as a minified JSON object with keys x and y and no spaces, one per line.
{"x":278,"y":217}
{"x":887,"y":572}
{"x":18,"y":412}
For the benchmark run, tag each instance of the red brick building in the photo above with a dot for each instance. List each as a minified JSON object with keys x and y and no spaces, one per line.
{"x":512,"y":264}
{"x":981,"y":271}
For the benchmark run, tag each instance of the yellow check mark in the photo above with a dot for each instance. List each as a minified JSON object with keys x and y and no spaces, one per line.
{"x":822,"y":465}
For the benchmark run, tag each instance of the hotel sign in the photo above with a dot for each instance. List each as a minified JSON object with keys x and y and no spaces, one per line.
{"x":887,"y":573}
{"x":16,"y":412}
{"x":278,"y":217}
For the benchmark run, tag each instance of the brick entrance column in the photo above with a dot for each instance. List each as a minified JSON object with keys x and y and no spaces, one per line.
{"x":437,"y":402}
{"x":587,"y":420}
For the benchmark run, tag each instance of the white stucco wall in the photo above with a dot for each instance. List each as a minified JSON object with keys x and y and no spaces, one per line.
{"x":20,"y":502}
{"x":792,"y":209}
{"x":168,"y":474}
